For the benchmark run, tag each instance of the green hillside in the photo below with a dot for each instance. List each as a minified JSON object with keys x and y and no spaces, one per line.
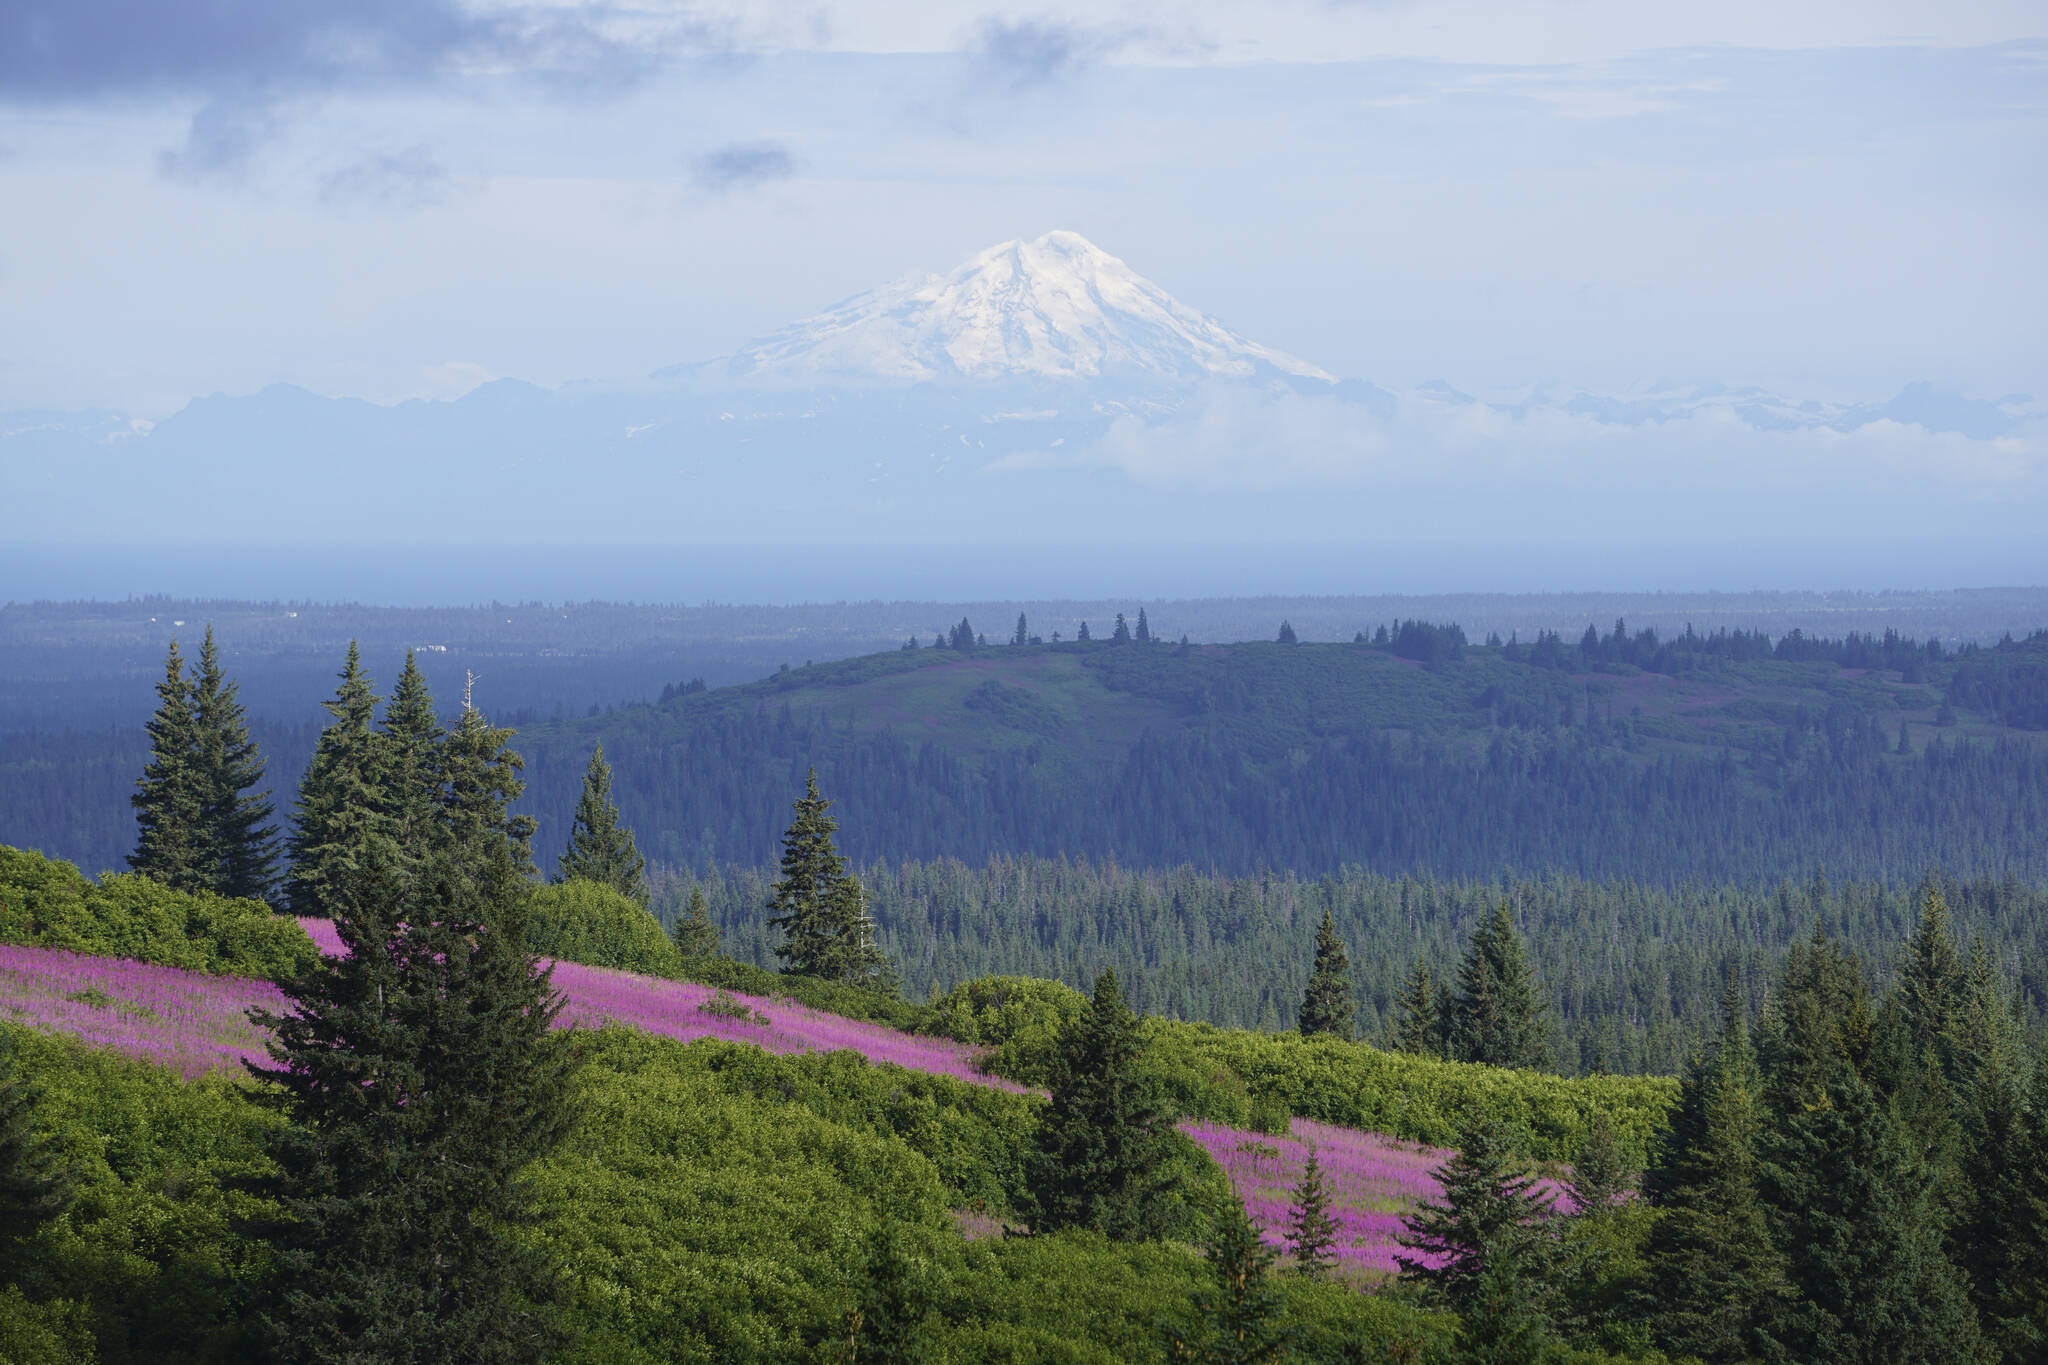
{"x":1423,"y":753}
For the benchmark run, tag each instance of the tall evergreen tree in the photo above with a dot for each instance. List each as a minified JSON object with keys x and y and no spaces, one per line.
{"x":1500,"y":1017}
{"x":1023,"y":632}
{"x":419,"y":1080}
{"x":1490,"y":1210}
{"x":819,"y":907}
{"x":1931,"y":984}
{"x":1311,"y":1227}
{"x":1237,"y":1319}
{"x":1501,"y":1324}
{"x":1421,"y":1014}
{"x":34,"y":1186}
{"x":1715,"y":1275}
{"x":695,"y":935}
{"x":1601,"y":1175}
{"x":409,"y":766}
{"x":337,"y":817}
{"x":1120,"y":633}
{"x":1100,"y":1154}
{"x":168,"y":800}
{"x":481,"y":841}
{"x":1144,"y":631}
{"x":600,"y":848}
{"x":1287,"y":636}
{"x":237,"y":845}
{"x":1082,"y":633}
{"x":1327,"y":1006}
{"x":1850,"y":1196}
{"x":2001,"y":1241}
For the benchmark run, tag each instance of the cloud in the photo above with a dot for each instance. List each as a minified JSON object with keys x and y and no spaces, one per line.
{"x":224,"y":137}
{"x":1230,"y":436}
{"x":742,"y":166}
{"x":404,"y":181}
{"x":1027,"y":53}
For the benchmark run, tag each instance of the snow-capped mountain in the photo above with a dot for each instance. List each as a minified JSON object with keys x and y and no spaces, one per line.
{"x":1058,"y":308}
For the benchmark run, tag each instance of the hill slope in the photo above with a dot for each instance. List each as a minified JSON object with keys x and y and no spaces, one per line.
{"x":1465,"y":760}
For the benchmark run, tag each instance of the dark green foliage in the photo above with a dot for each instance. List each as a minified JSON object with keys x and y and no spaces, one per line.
{"x":409,"y":767}
{"x":820,"y":909}
{"x":236,"y":847}
{"x":1715,"y":1271}
{"x":1500,"y":1323}
{"x":1422,"y":1014}
{"x":47,"y":904}
{"x":1851,"y":1197}
{"x":340,"y":814}
{"x":1311,"y":1227}
{"x":419,"y":1080}
{"x":694,"y":934}
{"x":600,"y":848}
{"x":1601,"y":1175}
{"x":887,"y":1326}
{"x":1022,"y":636}
{"x":1287,"y":634}
{"x":1327,"y":1006}
{"x":1144,"y":631}
{"x":168,"y":800}
{"x":1237,"y":1316}
{"x":2002,"y":1236}
{"x":482,"y":843}
{"x":34,"y":1186}
{"x":1490,"y":1212}
{"x":1499,"y":1017}
{"x":1120,"y":634}
{"x":1102,"y":1151}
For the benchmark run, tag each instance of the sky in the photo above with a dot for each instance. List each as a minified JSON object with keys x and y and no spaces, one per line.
{"x":406,"y":198}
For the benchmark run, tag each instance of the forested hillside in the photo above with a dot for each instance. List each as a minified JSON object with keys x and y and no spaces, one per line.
{"x":1698,"y":758}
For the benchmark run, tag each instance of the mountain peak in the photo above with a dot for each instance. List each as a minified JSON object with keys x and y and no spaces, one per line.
{"x":1056,"y":307}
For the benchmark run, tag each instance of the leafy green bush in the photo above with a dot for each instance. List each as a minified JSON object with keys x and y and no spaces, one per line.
{"x":849,"y":1002}
{"x":598,"y":926}
{"x":1228,"y":1074}
{"x":1019,"y":1018}
{"x":45,"y":903}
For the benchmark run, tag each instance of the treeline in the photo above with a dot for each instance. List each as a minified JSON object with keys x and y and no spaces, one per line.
{"x":1634,"y":971}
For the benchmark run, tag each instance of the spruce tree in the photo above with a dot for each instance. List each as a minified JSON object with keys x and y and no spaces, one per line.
{"x":167,"y":801}
{"x":1601,"y":1175}
{"x":2001,"y":1241}
{"x":1144,"y":631}
{"x":1490,"y":1208}
{"x":481,"y":841}
{"x":1082,"y":633}
{"x":1850,"y":1196}
{"x":1237,"y":1319}
{"x":237,"y":845}
{"x":34,"y":1186}
{"x":1311,"y":1227}
{"x":1120,"y":634}
{"x":1715,"y":1274}
{"x":1023,"y":633}
{"x":409,"y":766}
{"x":1327,"y":1006}
{"x":1420,"y":1013}
{"x":1287,"y":636}
{"x":337,"y":816}
{"x":419,"y":1080}
{"x":1500,"y":1017}
{"x":600,"y":848}
{"x":820,"y":908}
{"x":696,"y":937}
{"x":1501,"y":1324}
{"x":1931,"y":982}
{"x":1100,"y":1154}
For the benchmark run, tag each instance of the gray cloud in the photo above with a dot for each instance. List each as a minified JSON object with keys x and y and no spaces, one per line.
{"x":743,"y":166}
{"x":401,"y":182}
{"x":1032,"y":51}
{"x":224,"y":138}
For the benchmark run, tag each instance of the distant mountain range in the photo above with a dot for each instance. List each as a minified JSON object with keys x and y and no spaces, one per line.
{"x":1044,"y":378}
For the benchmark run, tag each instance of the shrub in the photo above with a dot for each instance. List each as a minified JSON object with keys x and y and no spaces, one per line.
{"x":45,"y":903}
{"x":1019,"y":1018}
{"x":598,"y":926}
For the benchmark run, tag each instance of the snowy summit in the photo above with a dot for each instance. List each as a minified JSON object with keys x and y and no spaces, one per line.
{"x":1056,"y":308}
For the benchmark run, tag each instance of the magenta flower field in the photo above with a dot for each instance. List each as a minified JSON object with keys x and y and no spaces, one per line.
{"x":196,"y":1023}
